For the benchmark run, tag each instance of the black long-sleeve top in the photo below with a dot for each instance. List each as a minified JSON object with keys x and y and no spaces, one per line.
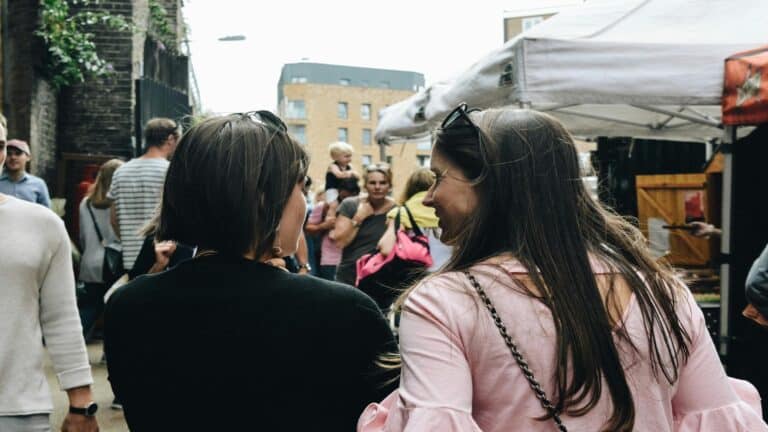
{"x":230,"y":344}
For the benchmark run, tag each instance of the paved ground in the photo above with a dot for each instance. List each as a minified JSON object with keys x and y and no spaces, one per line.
{"x":109,"y":420}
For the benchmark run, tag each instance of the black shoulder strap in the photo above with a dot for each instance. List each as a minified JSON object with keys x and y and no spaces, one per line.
{"x":95,"y":224}
{"x":414,"y":225}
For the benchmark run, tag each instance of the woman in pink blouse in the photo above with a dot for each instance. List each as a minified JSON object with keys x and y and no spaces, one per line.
{"x":605,"y":338}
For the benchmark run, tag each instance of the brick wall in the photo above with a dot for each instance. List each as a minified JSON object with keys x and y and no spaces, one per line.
{"x":20,"y":48}
{"x":97,"y":116}
{"x":2,"y":65}
{"x":31,"y":102}
{"x":174,"y":16}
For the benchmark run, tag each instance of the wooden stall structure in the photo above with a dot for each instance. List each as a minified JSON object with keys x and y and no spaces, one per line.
{"x":666,"y":204}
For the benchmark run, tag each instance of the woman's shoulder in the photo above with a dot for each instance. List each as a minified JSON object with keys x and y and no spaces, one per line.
{"x":450,"y":289}
{"x":455,"y":289}
{"x":350,"y":202}
{"x":324,"y":293}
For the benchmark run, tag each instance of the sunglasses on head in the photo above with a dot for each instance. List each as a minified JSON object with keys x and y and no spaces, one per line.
{"x":382,"y":166}
{"x":459,"y":117}
{"x":267,"y":118}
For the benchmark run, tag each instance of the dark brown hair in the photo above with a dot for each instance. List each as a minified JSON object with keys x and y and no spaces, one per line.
{"x":228,"y":183}
{"x":534,"y":206}
{"x":156,"y":131}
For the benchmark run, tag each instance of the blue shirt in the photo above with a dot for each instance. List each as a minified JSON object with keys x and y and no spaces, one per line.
{"x":28,"y":188}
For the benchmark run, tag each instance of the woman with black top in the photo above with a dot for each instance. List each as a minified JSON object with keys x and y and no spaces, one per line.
{"x":360,"y":222}
{"x":227,"y":339}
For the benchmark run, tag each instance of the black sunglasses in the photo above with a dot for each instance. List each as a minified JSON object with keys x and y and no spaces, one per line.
{"x":459,"y":117}
{"x":267,"y":118}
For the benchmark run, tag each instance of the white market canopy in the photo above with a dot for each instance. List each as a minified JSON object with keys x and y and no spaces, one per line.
{"x":642,"y":68}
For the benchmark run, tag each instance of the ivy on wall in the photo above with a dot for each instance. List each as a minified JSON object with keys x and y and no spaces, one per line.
{"x":72,"y":56}
{"x":69,"y":38}
{"x":159,"y":27}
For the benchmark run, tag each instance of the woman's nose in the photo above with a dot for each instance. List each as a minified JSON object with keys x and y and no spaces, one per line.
{"x":429,"y":199}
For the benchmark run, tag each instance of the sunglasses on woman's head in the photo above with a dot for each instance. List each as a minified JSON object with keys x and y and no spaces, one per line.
{"x":377,"y":167}
{"x":267,"y":118}
{"x":459,"y":117}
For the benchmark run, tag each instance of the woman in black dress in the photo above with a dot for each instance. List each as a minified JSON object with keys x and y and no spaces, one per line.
{"x":225,"y":338}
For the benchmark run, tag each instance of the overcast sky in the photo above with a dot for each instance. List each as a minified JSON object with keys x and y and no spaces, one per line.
{"x":438,"y":39}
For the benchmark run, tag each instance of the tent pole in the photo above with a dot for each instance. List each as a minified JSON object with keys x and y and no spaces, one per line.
{"x":599,"y":117}
{"x":382,"y":151}
{"x":683,"y":116}
{"x":729,"y":137}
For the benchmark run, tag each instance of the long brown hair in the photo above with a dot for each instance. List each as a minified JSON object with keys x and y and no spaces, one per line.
{"x":97,"y":194}
{"x":534,"y":206}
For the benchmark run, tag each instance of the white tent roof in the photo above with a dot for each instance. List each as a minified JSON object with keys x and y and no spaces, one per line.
{"x":651,"y":68}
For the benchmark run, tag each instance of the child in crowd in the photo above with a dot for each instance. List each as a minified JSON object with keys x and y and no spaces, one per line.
{"x":339,"y":169}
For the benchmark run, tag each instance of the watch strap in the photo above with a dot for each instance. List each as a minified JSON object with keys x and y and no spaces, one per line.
{"x":88,"y":411}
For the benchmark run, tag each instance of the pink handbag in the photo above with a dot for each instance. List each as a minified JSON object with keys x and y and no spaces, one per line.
{"x":377,"y":273}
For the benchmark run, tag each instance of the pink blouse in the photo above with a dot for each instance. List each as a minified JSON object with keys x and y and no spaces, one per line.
{"x":458,"y":375}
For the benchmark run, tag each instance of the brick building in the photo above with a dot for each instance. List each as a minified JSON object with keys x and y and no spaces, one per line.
{"x":87,"y":123}
{"x":323,"y":103}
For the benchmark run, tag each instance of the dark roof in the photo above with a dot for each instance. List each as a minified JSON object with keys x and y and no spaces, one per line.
{"x":319,"y":73}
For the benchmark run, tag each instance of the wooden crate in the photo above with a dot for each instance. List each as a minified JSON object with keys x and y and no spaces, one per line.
{"x":676,"y":199}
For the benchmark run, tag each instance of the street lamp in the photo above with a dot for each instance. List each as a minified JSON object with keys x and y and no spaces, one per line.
{"x":196,"y":100}
{"x":232,"y":38}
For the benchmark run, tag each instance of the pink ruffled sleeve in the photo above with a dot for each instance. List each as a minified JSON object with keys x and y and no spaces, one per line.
{"x":708,"y":400}
{"x":436,"y":384}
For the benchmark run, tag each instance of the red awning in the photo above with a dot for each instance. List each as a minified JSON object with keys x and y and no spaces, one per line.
{"x":745,"y":95}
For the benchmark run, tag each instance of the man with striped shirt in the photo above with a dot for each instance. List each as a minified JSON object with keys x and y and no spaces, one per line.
{"x":138,"y":184}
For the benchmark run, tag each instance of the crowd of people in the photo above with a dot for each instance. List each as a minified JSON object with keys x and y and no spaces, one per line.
{"x":538,"y":308}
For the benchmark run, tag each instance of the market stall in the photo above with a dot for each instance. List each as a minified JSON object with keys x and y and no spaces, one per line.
{"x":640,"y":68}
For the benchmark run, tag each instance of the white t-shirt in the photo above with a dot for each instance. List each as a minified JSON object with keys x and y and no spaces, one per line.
{"x":136,"y":189}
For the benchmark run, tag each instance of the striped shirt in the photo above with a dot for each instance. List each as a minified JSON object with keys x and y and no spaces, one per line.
{"x":136,"y":189}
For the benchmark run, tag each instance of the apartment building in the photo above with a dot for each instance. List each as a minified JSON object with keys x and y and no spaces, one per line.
{"x":528,"y":13}
{"x":324,"y":103}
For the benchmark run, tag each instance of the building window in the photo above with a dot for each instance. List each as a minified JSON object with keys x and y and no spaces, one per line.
{"x":389,"y":161}
{"x":341,"y":109}
{"x":299,"y":132}
{"x":365,"y":111}
{"x":424,"y":160}
{"x":529,"y":22}
{"x":425,"y":144}
{"x":344,"y":81}
{"x":366,"y":137}
{"x":295,"y":109}
{"x":367,"y":160}
{"x":342,"y":135}
{"x":298,"y":80}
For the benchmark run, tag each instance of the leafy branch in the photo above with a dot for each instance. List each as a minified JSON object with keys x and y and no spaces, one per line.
{"x":72,"y":55}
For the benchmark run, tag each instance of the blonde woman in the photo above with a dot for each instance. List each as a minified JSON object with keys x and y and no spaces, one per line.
{"x":361,"y":221}
{"x":94,"y":223}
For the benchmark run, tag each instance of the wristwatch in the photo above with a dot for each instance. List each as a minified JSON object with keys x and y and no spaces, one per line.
{"x":305,"y":266}
{"x":88,"y":411}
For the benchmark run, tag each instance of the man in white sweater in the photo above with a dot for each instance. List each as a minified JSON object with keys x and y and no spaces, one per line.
{"x":38,"y":303}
